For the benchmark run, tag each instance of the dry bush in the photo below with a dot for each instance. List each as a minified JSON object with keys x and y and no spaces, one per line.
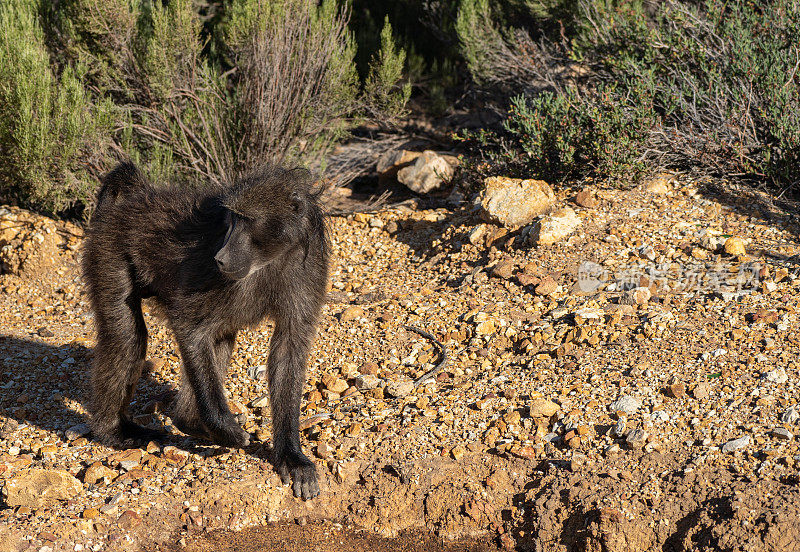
{"x":297,"y":86}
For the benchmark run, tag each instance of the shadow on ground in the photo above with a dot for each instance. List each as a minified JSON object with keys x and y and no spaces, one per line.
{"x":48,"y":386}
{"x":769,"y":206}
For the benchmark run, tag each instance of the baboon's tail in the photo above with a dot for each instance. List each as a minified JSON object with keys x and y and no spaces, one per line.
{"x":122,"y":179}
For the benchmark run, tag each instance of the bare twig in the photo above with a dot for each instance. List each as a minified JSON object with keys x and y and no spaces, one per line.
{"x":442,"y":351}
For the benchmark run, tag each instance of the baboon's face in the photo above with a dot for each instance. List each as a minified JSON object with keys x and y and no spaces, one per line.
{"x":254,"y":239}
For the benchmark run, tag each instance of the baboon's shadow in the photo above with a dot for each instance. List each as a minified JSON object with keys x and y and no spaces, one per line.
{"x":48,"y":386}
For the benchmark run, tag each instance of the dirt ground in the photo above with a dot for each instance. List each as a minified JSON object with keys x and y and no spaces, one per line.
{"x":321,"y":537}
{"x":633,"y":386}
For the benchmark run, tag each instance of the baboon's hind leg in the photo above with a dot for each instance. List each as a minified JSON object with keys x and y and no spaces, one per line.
{"x":203,"y":379}
{"x":118,"y":361}
{"x":185,"y":415}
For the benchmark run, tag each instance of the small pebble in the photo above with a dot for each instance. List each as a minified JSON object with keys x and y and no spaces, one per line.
{"x":782,"y":434}
{"x":626,"y":404}
{"x":777,"y":375}
{"x":399,"y":388}
{"x":736,"y":444}
{"x":791,"y":415}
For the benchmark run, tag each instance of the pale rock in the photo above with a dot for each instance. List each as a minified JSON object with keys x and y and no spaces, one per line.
{"x":392,"y":161}
{"x":554,"y":227}
{"x":659,"y":185}
{"x":542,"y":408}
{"x":367,"y":381}
{"x":38,"y":488}
{"x":97,"y":472}
{"x":736,"y":444}
{"x":400,"y":388}
{"x":626,"y":404}
{"x":636,"y":296}
{"x":109,"y":509}
{"x":427,"y":173}
{"x":351,"y":313}
{"x":334,"y":384}
{"x":586,"y":314}
{"x":701,"y":391}
{"x":659,"y":416}
{"x":324,"y":450}
{"x":487,"y":327}
{"x":515,"y":202}
{"x":477,"y":235}
{"x":782,"y":434}
{"x":791,"y":415}
{"x":777,"y":375}
{"x":260,"y":402}
{"x":636,"y":438}
{"x":735,"y":246}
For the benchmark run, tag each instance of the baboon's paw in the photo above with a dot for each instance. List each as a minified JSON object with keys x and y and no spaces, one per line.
{"x":130,"y":431}
{"x":125,"y":434}
{"x":302,"y":474}
{"x":232,"y":435}
{"x":192,"y":428}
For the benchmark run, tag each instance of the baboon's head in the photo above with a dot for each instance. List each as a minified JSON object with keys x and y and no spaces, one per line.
{"x":269,"y":213}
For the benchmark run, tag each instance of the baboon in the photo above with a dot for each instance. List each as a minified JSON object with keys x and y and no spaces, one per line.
{"x":217,"y":260}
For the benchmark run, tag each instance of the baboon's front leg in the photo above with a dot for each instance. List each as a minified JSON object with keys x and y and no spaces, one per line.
{"x":206,"y":382}
{"x":287,"y":373}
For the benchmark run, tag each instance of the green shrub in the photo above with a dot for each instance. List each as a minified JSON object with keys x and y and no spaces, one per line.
{"x":710,"y":85}
{"x":183,"y":120}
{"x":384,"y":97}
{"x":725,"y":76}
{"x":511,"y":57}
{"x":564,"y":136}
{"x":100,"y":35}
{"x":51,"y":132}
{"x":424,"y":28}
{"x":173,"y":109}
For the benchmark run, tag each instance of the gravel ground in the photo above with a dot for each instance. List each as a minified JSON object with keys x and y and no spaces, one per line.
{"x":633,"y":386}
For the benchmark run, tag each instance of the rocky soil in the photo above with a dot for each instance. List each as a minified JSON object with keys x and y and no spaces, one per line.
{"x":623,"y":375}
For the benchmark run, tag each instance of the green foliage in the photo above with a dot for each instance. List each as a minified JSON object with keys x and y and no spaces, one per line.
{"x":185,"y":89}
{"x":386,"y":70}
{"x":425,"y":29}
{"x":707,"y":84}
{"x":172,"y":47}
{"x":725,"y":77}
{"x":566,"y":136}
{"x":50,"y":130}
{"x":98,"y":34}
{"x":481,"y":39}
